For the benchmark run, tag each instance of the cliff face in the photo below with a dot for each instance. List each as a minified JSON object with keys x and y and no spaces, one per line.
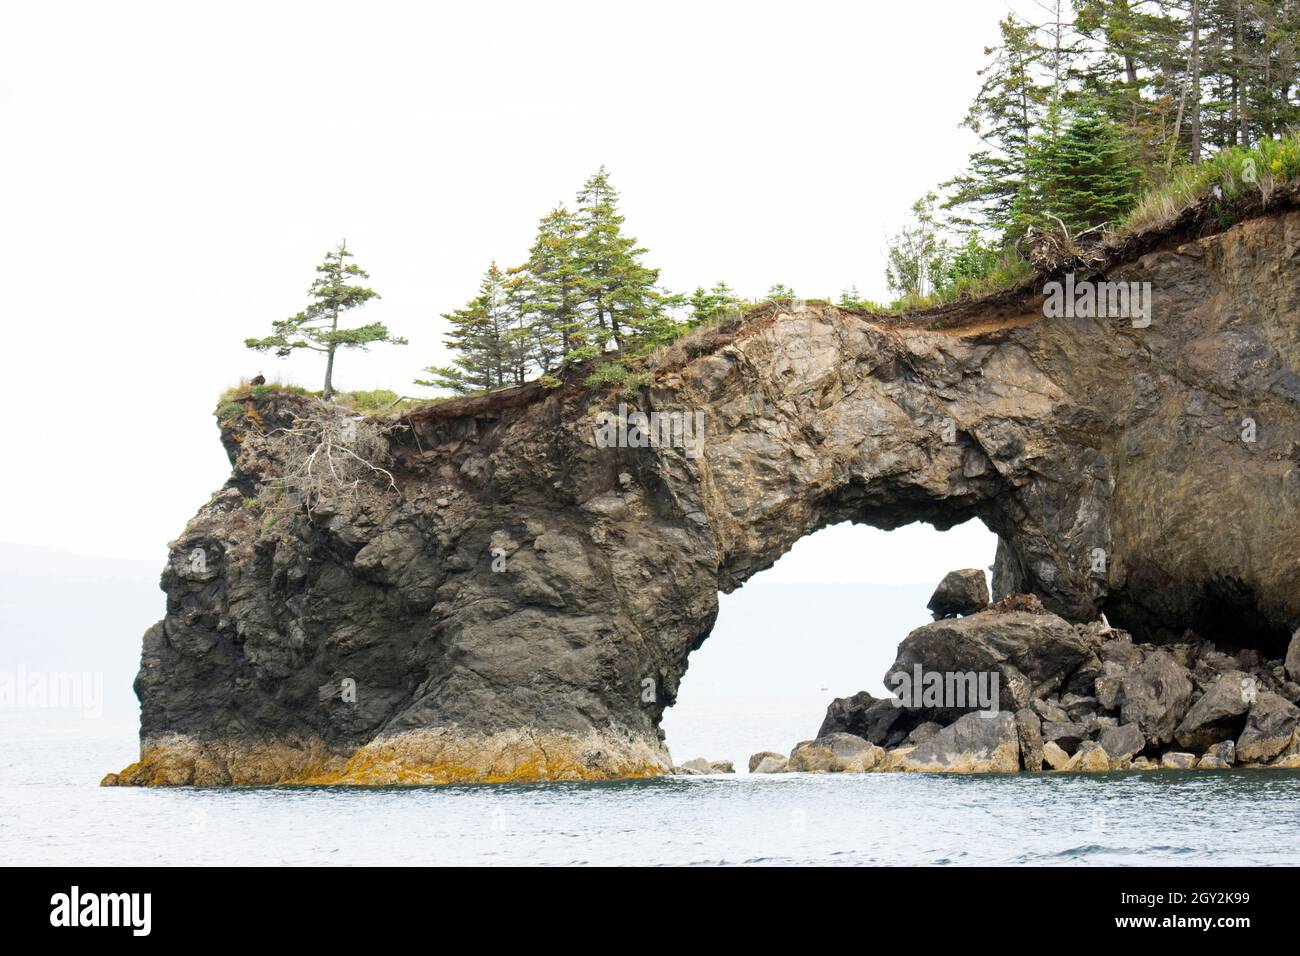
{"x":520,"y":603}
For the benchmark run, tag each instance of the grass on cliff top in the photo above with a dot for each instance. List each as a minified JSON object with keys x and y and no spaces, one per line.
{"x":1236,"y":173}
{"x":377,"y":401}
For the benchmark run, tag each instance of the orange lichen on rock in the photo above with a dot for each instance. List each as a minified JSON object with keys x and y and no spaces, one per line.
{"x":417,"y":758}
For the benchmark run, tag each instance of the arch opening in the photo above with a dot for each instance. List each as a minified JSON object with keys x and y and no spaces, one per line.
{"x":824,"y":621}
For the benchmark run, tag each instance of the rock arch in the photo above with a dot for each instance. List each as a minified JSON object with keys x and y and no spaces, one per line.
{"x":525,"y":608}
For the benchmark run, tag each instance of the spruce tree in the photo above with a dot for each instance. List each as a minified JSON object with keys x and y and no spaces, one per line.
{"x":1006,"y":111}
{"x":711,"y":305}
{"x":485,"y":335}
{"x":316,"y":328}
{"x":621,"y":292}
{"x":1084,"y":177}
{"x":554,"y":289}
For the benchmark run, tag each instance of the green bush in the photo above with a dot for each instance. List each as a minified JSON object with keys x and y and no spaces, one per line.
{"x":606,"y":374}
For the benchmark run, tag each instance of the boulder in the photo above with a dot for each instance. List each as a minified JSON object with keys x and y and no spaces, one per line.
{"x":1067,"y":736}
{"x":1220,"y":714}
{"x":1292,"y":661}
{"x":1091,"y":758}
{"x":878,"y":720}
{"x":1177,"y":761}
{"x":1269,"y":727}
{"x":973,"y":744}
{"x":1050,"y":710}
{"x":1143,"y":763}
{"x":960,"y":592}
{"x":771,"y":763}
{"x":1109,"y":683}
{"x":835,"y":753}
{"x":762,"y":755}
{"x":1079,"y":706}
{"x":1156,"y":696}
{"x":1030,"y":730}
{"x":1225,"y":751}
{"x":700,"y":766}
{"x":1122,"y":743}
{"x":1029,"y":654}
{"x":1211,"y":762}
{"x":1055,"y":757}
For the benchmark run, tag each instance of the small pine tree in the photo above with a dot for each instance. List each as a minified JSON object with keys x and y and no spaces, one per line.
{"x":779,"y":290}
{"x":317,"y":327}
{"x":710,"y":305}
{"x":1084,"y":177}
{"x":487,"y":336}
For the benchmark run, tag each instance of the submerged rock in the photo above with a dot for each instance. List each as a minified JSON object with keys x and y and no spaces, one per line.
{"x":700,"y":766}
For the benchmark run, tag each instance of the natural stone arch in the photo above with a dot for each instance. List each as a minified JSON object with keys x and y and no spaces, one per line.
{"x":1068,"y":437}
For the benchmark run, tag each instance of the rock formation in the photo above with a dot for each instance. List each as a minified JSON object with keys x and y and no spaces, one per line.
{"x":1082,"y":697}
{"x":516,"y":594}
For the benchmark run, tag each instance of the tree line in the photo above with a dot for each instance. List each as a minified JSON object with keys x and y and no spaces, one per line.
{"x":1078,"y":113}
{"x":1085,"y":108}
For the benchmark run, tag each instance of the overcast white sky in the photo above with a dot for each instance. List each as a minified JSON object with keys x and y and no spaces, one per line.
{"x":171,"y":173}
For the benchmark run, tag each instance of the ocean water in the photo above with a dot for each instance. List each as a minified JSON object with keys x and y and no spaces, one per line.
{"x":53,"y":812}
{"x":761,"y":682}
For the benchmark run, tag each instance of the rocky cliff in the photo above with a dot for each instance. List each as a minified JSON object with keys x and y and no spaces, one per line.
{"x":508,"y":587}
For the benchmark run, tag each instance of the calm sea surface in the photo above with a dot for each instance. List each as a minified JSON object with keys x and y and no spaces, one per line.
{"x":52,"y":812}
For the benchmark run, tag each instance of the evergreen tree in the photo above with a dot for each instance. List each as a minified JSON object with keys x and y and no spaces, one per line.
{"x":486,"y":335}
{"x":710,"y":305}
{"x":779,"y":290}
{"x":621,"y":292}
{"x":850,"y":298}
{"x":554,"y":289}
{"x":1084,"y":177}
{"x":316,"y":328}
{"x":1005,"y":114}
